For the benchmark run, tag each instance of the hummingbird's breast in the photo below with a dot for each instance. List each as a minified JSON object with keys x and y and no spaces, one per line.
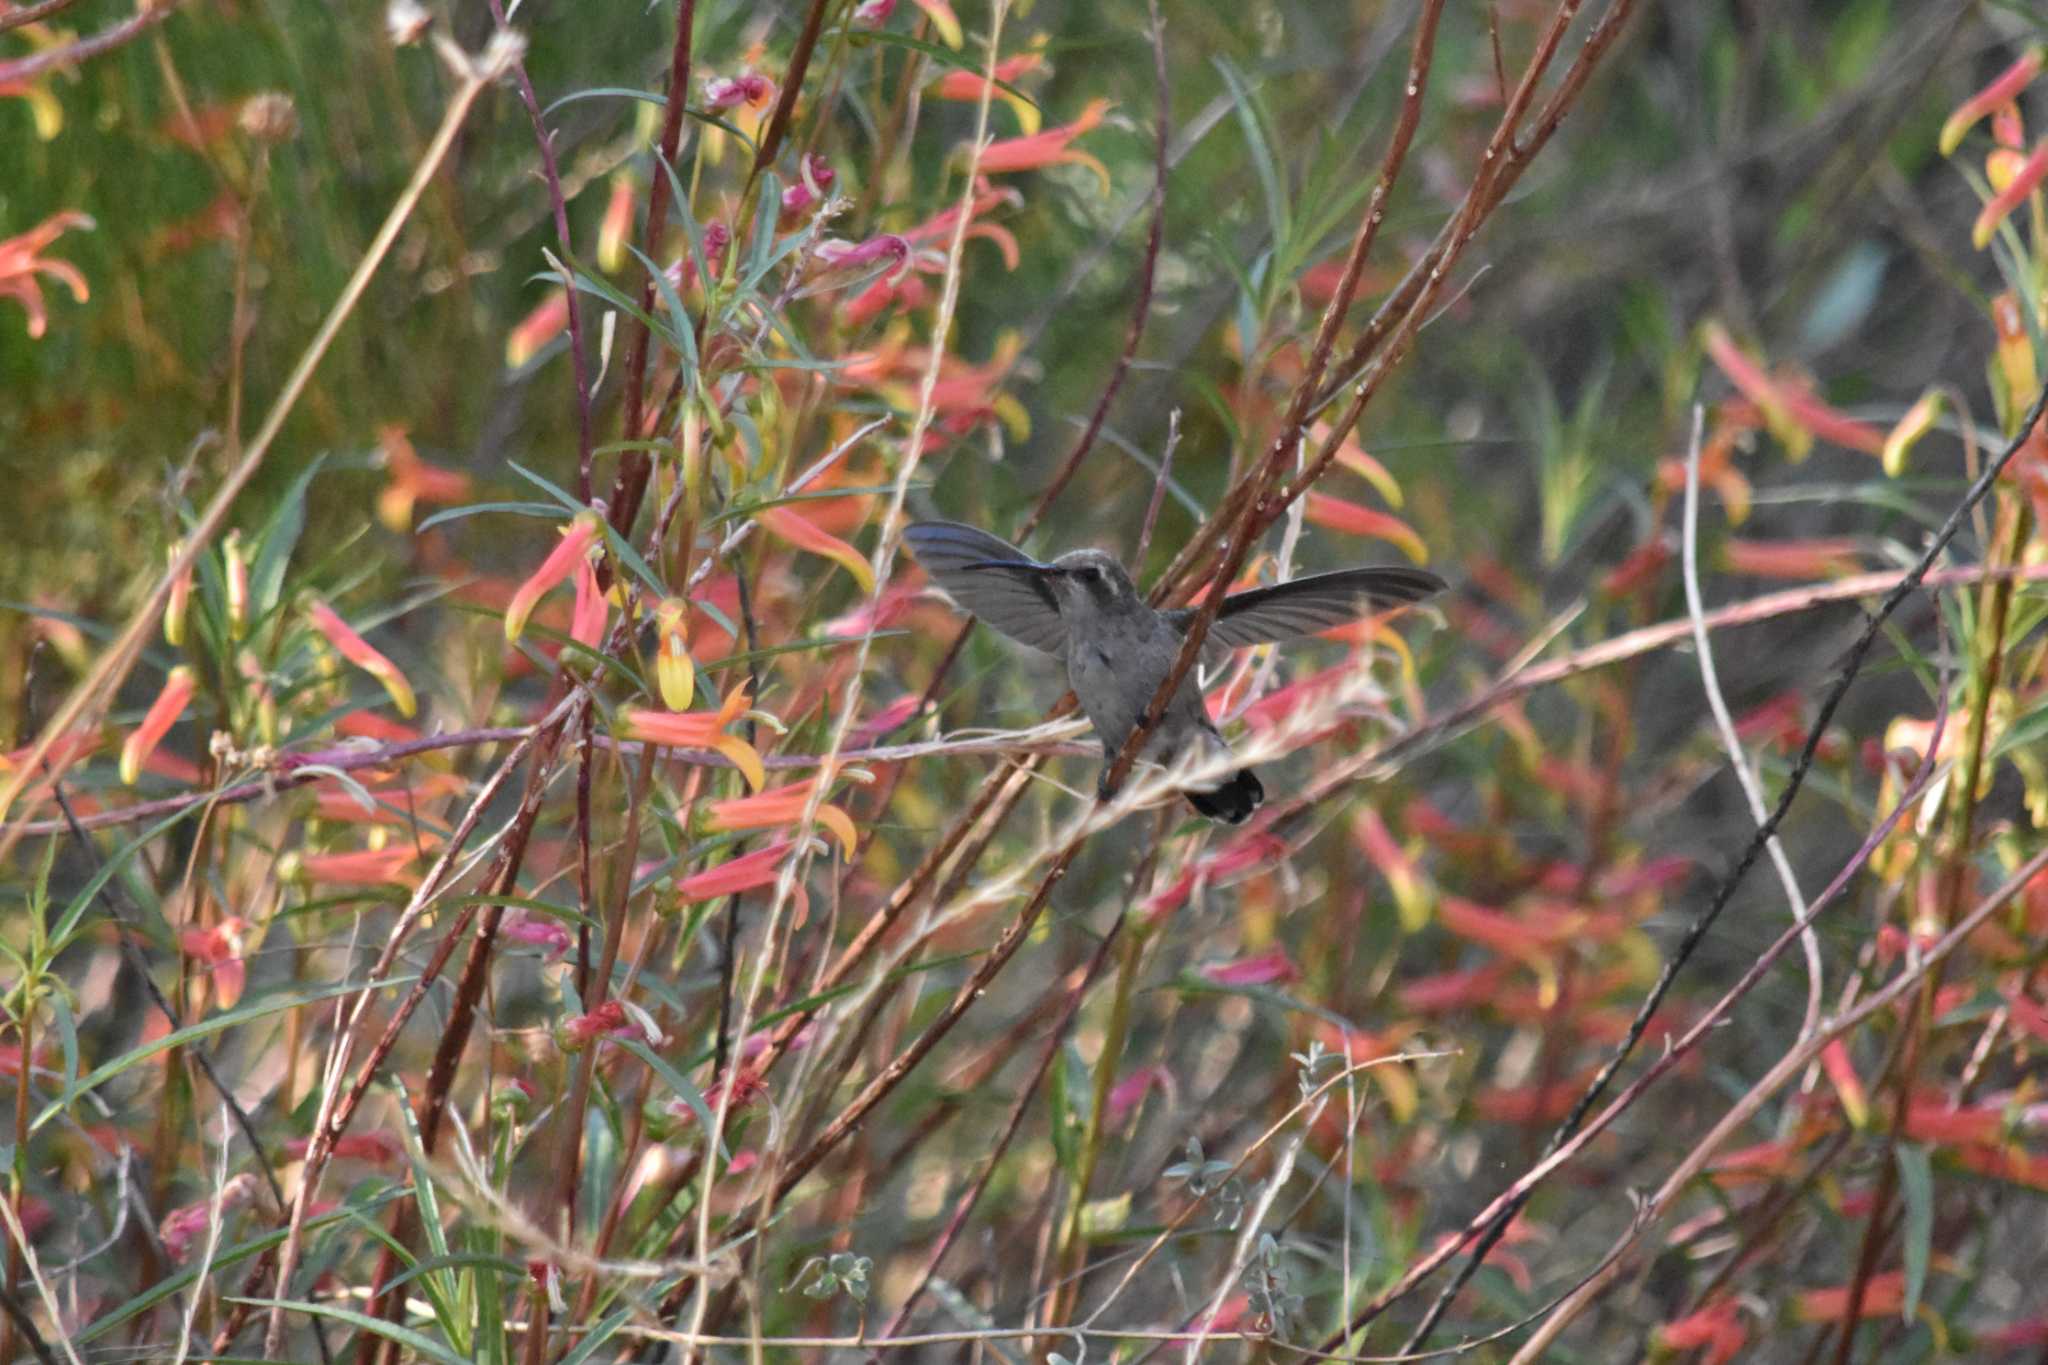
{"x":1115,"y":664}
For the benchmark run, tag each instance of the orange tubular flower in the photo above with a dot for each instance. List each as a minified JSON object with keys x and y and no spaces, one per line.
{"x":163,"y":713}
{"x":783,"y":806}
{"x":744,"y":873}
{"x":673,"y":671}
{"x":787,"y":524}
{"x":1992,"y":97}
{"x":359,"y":652}
{"x":1918,"y":421}
{"x":1883,"y":1296}
{"x":21,"y":260}
{"x":700,"y":730}
{"x":1049,"y":148}
{"x":2023,"y":182}
{"x":583,"y":532}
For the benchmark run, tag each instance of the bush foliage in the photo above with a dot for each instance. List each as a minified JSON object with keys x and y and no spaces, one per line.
{"x":505,"y":860}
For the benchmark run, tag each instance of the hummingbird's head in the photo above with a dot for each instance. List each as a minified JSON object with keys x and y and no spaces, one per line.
{"x":1080,"y":582}
{"x":1090,"y":580}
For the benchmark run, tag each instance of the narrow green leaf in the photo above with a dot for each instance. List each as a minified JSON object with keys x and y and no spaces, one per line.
{"x":425,"y":1345}
{"x":676,"y":1081}
{"x":1916,"y":1188}
{"x":206,"y":1028}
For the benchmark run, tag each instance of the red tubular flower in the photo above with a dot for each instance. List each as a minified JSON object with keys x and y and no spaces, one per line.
{"x":617,"y":224}
{"x":2001,"y":92}
{"x":218,"y":952}
{"x":185,"y":1226}
{"x":411,"y":481}
{"x":840,"y":264}
{"x":358,"y":651}
{"x":1819,"y":557}
{"x":586,"y":621}
{"x":1841,"y":1073}
{"x":1412,"y":898}
{"x":2023,"y":182}
{"x":729,"y":92}
{"x":968,"y":85}
{"x":1353,"y":520}
{"x":360,"y":867}
{"x":537,"y":329}
{"x":813,"y":186}
{"x":610,"y":1020}
{"x":583,"y":532}
{"x":1716,"y":1329}
{"x":537,"y":930}
{"x":163,"y":713}
{"x":1264,"y":970}
{"x":786,"y":523}
{"x":744,"y":873}
{"x":21,"y":260}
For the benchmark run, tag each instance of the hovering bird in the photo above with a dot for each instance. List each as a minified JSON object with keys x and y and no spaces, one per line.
{"x":1084,"y":610}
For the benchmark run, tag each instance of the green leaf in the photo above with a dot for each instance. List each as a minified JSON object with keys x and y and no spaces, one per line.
{"x":1258,"y":141}
{"x":443,"y":1291}
{"x":594,"y":1340}
{"x":676,"y":1081}
{"x":280,"y":536}
{"x":1916,"y":1188}
{"x":206,"y":1028}
{"x":546,"y":511}
{"x":425,"y":1345}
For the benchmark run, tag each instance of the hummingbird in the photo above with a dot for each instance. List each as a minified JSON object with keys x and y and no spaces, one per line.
{"x":1084,"y":610}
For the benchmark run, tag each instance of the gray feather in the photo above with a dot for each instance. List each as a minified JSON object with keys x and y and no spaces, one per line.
{"x":1307,"y":606}
{"x":1017,"y":604}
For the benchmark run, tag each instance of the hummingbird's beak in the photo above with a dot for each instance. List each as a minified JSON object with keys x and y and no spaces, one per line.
{"x":1021,"y":565}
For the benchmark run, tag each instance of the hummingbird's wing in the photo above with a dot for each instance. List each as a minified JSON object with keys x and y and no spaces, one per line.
{"x":1308,"y":606}
{"x":1016,"y":603}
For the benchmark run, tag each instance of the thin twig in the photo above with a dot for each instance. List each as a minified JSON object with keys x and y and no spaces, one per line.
{"x":21,"y":16}
{"x":1752,"y":790}
{"x":146,"y":17}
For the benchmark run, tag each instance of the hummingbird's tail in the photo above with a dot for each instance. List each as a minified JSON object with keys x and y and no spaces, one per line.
{"x":1234,"y":801}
